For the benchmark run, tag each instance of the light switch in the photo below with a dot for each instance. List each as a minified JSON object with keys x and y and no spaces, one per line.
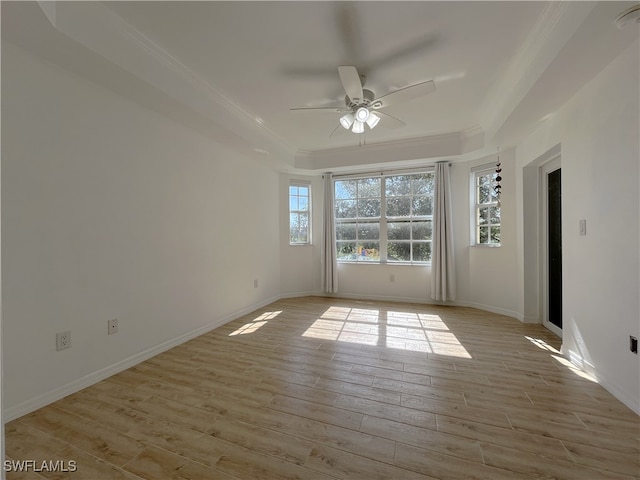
{"x":583,"y":227}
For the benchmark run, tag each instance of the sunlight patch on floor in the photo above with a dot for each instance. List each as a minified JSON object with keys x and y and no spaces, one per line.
{"x":256,"y":323}
{"x":402,"y":330}
{"x":538,"y":342}
{"x":574,"y":369}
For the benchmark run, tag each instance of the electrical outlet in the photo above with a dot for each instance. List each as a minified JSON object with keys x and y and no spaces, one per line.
{"x":63,"y":340}
{"x":633,"y":344}
{"x":392,"y":278}
{"x":112,"y":326}
{"x":255,"y":283}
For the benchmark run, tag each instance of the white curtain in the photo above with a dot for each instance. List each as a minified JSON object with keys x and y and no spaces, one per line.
{"x":330,"y":265}
{"x":443,"y":284}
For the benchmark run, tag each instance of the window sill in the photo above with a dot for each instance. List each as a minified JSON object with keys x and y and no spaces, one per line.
{"x":394,"y":264}
{"x":486,"y":245}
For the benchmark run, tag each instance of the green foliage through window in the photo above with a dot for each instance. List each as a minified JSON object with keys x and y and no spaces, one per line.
{"x":299,"y":214}
{"x":487,"y":209}
{"x":386,"y":218}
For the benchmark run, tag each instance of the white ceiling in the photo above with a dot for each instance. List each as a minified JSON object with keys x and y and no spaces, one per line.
{"x":233,"y":70}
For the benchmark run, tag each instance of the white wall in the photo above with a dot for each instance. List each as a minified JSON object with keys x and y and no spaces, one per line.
{"x":111,"y":211}
{"x":491,"y":279}
{"x":598,"y":132}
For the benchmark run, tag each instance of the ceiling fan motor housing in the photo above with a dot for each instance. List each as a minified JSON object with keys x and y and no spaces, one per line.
{"x":366,"y":101}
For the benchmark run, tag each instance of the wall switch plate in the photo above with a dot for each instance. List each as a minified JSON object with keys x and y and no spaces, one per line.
{"x":582,"y":226}
{"x":255,"y":283}
{"x":633,"y":344}
{"x":392,"y":278}
{"x":112,"y":326}
{"x":63,"y":340}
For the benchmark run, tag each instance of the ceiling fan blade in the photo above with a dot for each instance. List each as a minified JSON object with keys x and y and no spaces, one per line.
{"x":389,"y":121}
{"x":351,"y":82}
{"x":404,"y":94}
{"x":339,"y":130}
{"x":320,"y":109}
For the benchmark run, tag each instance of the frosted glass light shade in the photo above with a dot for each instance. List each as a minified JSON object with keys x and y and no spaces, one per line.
{"x":373,"y":120}
{"x":347,"y":120}
{"x":358,"y":127}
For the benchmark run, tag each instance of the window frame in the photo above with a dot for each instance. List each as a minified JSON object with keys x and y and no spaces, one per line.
{"x":476,"y":206}
{"x":307,"y":212}
{"x":383,"y":220}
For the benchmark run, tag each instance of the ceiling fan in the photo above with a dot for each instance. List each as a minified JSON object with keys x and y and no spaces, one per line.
{"x":362,"y":107}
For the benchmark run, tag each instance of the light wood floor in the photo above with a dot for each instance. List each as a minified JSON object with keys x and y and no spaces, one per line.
{"x":318,"y":388}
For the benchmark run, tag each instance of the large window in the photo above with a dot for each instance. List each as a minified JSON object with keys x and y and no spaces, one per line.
{"x":299,"y":214}
{"x":486,"y":212}
{"x":385,"y":219}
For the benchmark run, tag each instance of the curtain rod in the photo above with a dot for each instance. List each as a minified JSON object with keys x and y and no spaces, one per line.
{"x":383,"y":172}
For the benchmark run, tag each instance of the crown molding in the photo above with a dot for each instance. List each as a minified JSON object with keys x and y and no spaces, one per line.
{"x":554,"y":27}
{"x":102,"y":31}
{"x":445,"y":146}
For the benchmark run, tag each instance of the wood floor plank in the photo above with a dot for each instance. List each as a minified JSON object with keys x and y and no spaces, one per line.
{"x":346,"y":465}
{"x":332,"y":389}
{"x":398,"y":413}
{"x":154,"y":463}
{"x":438,"y":465}
{"x":437,"y":441}
{"x":539,"y":467}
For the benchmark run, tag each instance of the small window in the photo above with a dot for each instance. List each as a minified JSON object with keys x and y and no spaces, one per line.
{"x":486,"y":211}
{"x":299,"y":214}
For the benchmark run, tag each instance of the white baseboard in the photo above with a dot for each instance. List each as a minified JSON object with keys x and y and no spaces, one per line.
{"x":492,"y":309}
{"x":56,"y":394}
{"x":630,"y":401}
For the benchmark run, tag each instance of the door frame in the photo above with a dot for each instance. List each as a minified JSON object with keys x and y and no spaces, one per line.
{"x":545,"y":169}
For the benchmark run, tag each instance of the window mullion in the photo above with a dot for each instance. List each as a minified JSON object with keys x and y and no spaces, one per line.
{"x":383,"y":221}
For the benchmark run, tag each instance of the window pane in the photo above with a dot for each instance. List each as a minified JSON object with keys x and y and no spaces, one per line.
{"x":494,"y":213}
{"x":422,"y":252}
{"x":293,"y":190}
{"x":369,"y":187}
{"x":303,"y":191}
{"x":303,"y":237}
{"x":346,"y":251}
{"x":400,"y":185}
{"x":369,"y":231}
{"x":369,"y":251}
{"x":346,"y":209}
{"x":399,"y":231}
{"x":346,"y":231}
{"x":483,"y":234}
{"x":399,"y":251}
{"x":422,"y":205}
{"x":483,"y":215}
{"x":346,"y":189}
{"x":293,"y":221}
{"x":303,"y":219}
{"x":484,"y":189}
{"x":293,"y":203}
{"x":495,"y":234}
{"x":369,"y":208}
{"x":422,"y":184}
{"x":303,"y":204}
{"x":399,"y":207}
{"x":422,"y":230}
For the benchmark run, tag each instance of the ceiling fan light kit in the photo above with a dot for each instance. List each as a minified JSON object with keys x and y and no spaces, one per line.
{"x":347,"y":120}
{"x":361,"y":104}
